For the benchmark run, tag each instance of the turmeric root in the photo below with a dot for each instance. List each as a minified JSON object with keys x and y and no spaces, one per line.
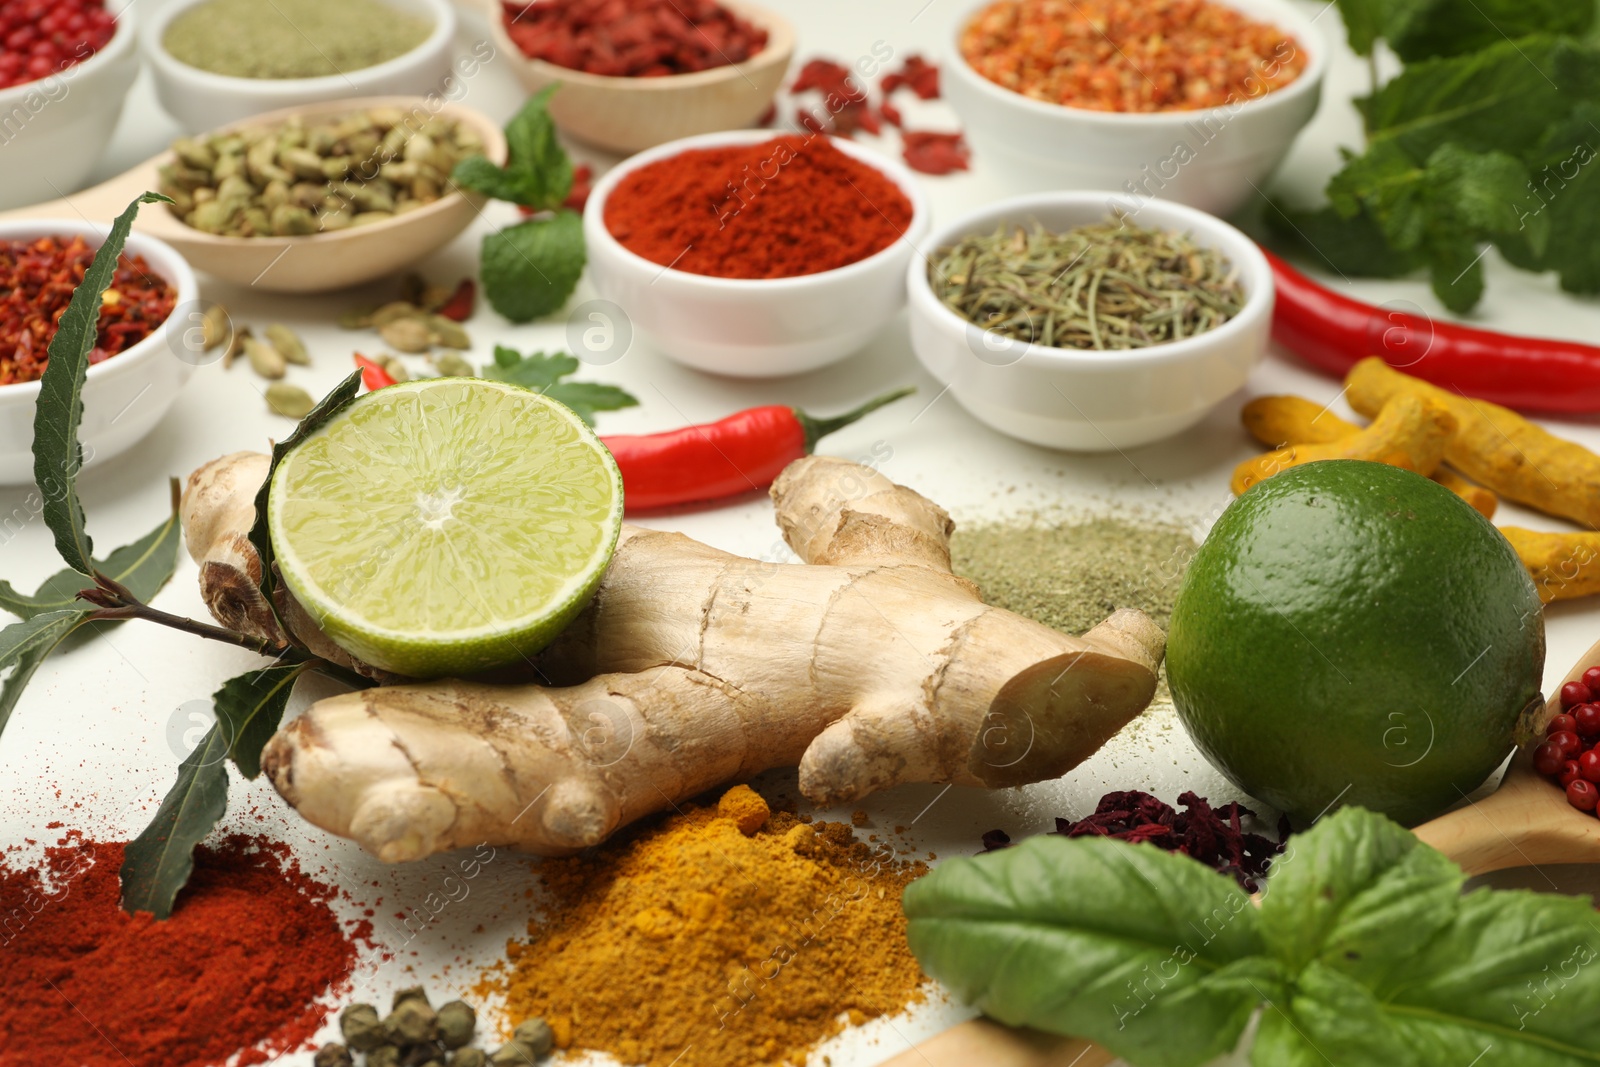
{"x":869,"y":666}
{"x":1280,"y":421}
{"x":1411,"y":432}
{"x":1563,"y":565}
{"x":1495,"y":446}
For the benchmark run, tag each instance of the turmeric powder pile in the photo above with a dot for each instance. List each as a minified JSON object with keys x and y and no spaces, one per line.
{"x":721,"y":936}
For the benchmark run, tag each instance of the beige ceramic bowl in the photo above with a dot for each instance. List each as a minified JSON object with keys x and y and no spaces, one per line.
{"x":631,"y":114}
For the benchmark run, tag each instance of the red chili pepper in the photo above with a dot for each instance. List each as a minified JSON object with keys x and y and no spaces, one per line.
{"x":373,"y":376}
{"x":735,"y":455}
{"x":1332,"y":332}
{"x":459,"y":307}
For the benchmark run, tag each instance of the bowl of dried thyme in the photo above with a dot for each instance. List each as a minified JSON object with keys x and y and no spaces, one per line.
{"x":1068,"y":325}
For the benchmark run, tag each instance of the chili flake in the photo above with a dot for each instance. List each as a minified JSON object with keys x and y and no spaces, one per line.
{"x":934,"y":153}
{"x":1130,"y":55}
{"x":36,"y":282}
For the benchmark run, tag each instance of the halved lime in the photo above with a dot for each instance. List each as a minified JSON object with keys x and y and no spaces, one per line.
{"x":446,"y":526}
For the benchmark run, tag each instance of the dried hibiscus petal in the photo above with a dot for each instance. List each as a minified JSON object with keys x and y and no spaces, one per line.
{"x":934,"y":153}
{"x":918,"y":75}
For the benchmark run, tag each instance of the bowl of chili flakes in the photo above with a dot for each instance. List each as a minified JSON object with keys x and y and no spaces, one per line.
{"x":140,"y":360}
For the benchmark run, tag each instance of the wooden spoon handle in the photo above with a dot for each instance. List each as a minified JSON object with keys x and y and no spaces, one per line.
{"x":983,"y":1043}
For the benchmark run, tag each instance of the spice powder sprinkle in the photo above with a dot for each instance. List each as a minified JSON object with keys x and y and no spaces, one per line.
{"x":287,"y":39}
{"x":721,"y":937}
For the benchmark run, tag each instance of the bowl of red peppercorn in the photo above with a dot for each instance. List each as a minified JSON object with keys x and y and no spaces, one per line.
{"x":639,"y":73}
{"x":1195,"y":101}
{"x":65,"y":68}
{"x":139,"y":362}
{"x":801,"y":263}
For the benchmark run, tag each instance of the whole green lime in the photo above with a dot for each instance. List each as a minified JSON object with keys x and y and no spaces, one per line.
{"x":1354,"y":633}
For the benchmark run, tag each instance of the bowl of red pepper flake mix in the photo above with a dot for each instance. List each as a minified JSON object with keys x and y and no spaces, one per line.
{"x":65,"y":69}
{"x":639,"y":73}
{"x":1195,"y":101}
{"x":755,"y":256}
{"x":136,"y":369}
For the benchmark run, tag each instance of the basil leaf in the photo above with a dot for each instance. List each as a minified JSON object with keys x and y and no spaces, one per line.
{"x":158,"y":862}
{"x":336,"y":401}
{"x":249,"y":709}
{"x":1150,"y":954}
{"x":1330,"y":1018}
{"x":143,"y":567}
{"x":57,"y":453}
{"x":24,"y":645}
{"x":529,"y":270}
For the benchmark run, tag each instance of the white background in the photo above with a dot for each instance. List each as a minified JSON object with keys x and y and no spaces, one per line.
{"x":89,"y":744}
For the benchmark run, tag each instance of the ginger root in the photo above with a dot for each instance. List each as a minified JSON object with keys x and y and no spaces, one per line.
{"x":1495,"y":446}
{"x":1564,"y":565}
{"x":1410,"y":432}
{"x":869,"y":666}
{"x":1280,"y":421}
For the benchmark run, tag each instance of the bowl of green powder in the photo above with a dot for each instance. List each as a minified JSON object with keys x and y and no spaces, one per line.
{"x":219,"y":61}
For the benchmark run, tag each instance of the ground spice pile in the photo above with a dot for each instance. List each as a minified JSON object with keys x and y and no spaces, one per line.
{"x":790,"y":206}
{"x":721,"y":937}
{"x":239,"y":965}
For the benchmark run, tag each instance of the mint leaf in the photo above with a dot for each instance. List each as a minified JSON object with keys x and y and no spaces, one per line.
{"x":336,"y":401}
{"x":529,"y":270}
{"x":1150,"y":954}
{"x":587,"y":398}
{"x":1341,"y":245}
{"x":537,"y":370}
{"x":1423,"y":29}
{"x":250,"y":707}
{"x":57,"y":454}
{"x":537,"y":173}
{"x":158,"y":862}
{"x":25,"y":645}
{"x":1559,"y":213}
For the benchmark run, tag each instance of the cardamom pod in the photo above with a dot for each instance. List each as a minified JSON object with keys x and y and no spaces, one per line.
{"x":288,"y":344}
{"x":264,"y":359}
{"x":394,"y":368}
{"x":359,"y":319}
{"x":447,"y":332}
{"x":408,"y":335}
{"x":290,"y":401}
{"x":394,"y":311}
{"x":412,"y":288}
{"x":453,"y":365}
{"x":235,"y":346}
{"x":214,"y":327}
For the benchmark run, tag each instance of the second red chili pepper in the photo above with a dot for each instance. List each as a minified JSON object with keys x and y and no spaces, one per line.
{"x":1332,"y":332}
{"x":735,"y":455}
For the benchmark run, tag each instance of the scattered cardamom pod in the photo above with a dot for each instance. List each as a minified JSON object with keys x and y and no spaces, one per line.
{"x":394,"y":367}
{"x":536,"y":1034}
{"x":453,"y":365}
{"x":333,"y":1054}
{"x":407,"y":335}
{"x":457,"y":1021}
{"x":214,"y":326}
{"x":394,"y":311}
{"x":359,"y":319}
{"x":447,"y":332}
{"x":361,"y":1027}
{"x":435,"y":297}
{"x":288,"y":344}
{"x":412,"y":284}
{"x":290,"y":401}
{"x":235,"y":346}
{"x":264,"y":359}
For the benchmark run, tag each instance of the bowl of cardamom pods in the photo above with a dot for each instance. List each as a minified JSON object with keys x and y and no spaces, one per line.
{"x":1062,"y":321}
{"x":215,"y":62}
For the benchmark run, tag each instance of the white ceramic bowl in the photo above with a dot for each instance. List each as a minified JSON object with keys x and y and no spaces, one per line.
{"x":1210,"y":159}
{"x":1091,"y":401}
{"x":123,"y":396}
{"x":201,"y":100}
{"x":753,"y":327}
{"x":53,"y":131}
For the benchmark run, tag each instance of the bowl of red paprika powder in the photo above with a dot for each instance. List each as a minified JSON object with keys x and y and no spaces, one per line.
{"x":755,"y":256}
{"x":143,"y":352}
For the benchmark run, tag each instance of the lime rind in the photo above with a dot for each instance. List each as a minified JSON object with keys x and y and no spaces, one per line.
{"x":446,"y":526}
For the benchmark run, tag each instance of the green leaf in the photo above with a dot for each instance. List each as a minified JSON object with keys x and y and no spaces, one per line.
{"x":57,"y":454}
{"x":1423,"y":29}
{"x":249,"y":709}
{"x":158,"y":862}
{"x":1330,"y":1018}
{"x":143,"y":567}
{"x":329,"y":406}
{"x":1346,"y":246}
{"x":25,"y":645}
{"x":1151,"y":954}
{"x":587,"y":398}
{"x":1365,"y":21}
{"x":537,"y":173}
{"x":529,"y":270}
{"x":1562,"y":203}
{"x":536,"y":370}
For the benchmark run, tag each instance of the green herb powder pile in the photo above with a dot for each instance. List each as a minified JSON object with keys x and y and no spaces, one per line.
{"x":292,"y":38}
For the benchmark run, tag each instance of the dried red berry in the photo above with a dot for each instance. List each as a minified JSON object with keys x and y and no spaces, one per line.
{"x":1583,"y":795}
{"x":1585,"y":720}
{"x":1573,"y":694}
{"x":1570,"y":772}
{"x":1561,"y":722}
{"x":1568,"y":742}
{"x":1548,"y":758}
{"x":1589,"y":765}
{"x":1591,"y":678}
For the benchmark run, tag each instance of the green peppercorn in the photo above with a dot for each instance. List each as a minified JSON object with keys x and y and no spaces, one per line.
{"x":457,"y":1020}
{"x":412,"y":1020}
{"x":361,"y":1027}
{"x":512,"y":1054}
{"x":468,"y":1057}
{"x":414,"y":992}
{"x":332,"y":1055}
{"x":536,"y":1034}
{"x":384,"y":1056}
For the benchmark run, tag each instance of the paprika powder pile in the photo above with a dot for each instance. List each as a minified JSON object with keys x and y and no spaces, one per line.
{"x":237,"y":969}
{"x":721,"y":937}
{"x":777,"y":209}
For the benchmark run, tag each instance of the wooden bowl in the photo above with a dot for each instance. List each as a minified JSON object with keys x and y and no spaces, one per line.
{"x":628,"y":115}
{"x":311,"y":264}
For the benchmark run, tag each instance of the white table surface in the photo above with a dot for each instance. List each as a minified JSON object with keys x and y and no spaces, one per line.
{"x":96,"y":739}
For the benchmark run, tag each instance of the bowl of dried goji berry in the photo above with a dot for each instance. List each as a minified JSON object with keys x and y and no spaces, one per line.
{"x":634,"y":74}
{"x":146,"y":344}
{"x":1195,"y":101}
